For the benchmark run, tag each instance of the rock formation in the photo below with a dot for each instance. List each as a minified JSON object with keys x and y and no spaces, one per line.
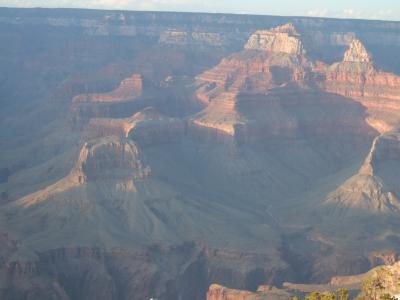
{"x":108,"y":158}
{"x":371,"y":190}
{"x":247,"y":91}
{"x":147,"y":127}
{"x":388,"y":276}
{"x":176,"y":37}
{"x":113,"y":104}
{"x":283,"y":39}
{"x":129,"y":89}
{"x":218,"y":292}
{"x":357,"y":53}
{"x":271,"y":58}
{"x":356,"y":77}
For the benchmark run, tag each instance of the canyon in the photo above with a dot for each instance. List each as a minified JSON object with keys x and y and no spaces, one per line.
{"x":174,"y":155}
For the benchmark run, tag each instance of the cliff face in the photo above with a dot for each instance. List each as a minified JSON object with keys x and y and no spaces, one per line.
{"x":129,"y":89}
{"x":270,"y":59}
{"x":218,"y":292}
{"x":254,"y":95}
{"x":375,"y":187}
{"x":357,"y":53}
{"x":147,"y":127}
{"x":86,"y":106}
{"x":357,"y":77}
{"x":283,"y":39}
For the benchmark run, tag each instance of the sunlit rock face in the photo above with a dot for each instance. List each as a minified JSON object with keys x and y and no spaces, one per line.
{"x":356,"y":76}
{"x":357,"y":53}
{"x":371,"y":190}
{"x":129,"y":88}
{"x":283,"y":39}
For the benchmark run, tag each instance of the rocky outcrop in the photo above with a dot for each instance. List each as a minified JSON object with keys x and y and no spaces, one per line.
{"x":357,"y":53}
{"x":388,"y":275}
{"x":283,"y":39}
{"x":117,"y":103}
{"x":219,"y":292}
{"x":356,"y":77}
{"x":146,"y":127}
{"x":370,"y":190}
{"x":129,"y":89}
{"x":108,"y":158}
{"x":186,"y":38}
{"x":271,"y":59}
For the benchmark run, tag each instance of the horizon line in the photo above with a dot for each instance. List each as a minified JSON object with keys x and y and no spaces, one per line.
{"x":198,"y":12}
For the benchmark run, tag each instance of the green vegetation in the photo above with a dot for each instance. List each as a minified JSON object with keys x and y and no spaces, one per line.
{"x":379,"y":284}
{"x":387,"y":296}
{"x":372,"y":289}
{"x":342,"y":294}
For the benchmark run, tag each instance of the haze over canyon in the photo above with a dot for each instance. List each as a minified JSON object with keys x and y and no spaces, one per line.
{"x":154,"y":155}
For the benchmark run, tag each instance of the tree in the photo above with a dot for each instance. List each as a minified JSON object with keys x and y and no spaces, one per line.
{"x":296,"y":297}
{"x":342,"y":294}
{"x":328,"y":296}
{"x":373,"y":287}
{"x":313,"y":296}
{"x":387,"y":296}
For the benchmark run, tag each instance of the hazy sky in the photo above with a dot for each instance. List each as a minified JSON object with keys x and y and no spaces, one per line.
{"x":368,"y":9}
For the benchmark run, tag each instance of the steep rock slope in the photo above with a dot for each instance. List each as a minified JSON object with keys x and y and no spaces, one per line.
{"x":148,"y":127}
{"x":283,"y":38}
{"x":260,"y":93}
{"x":375,"y":187}
{"x":129,"y":88}
{"x":357,"y":77}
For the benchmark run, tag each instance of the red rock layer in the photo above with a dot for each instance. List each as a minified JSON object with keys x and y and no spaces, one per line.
{"x":357,"y":78}
{"x":271,"y":59}
{"x":276,"y":59}
{"x":128,"y":89}
{"x":353,"y":79}
{"x":283,"y":39}
{"x":218,"y":292}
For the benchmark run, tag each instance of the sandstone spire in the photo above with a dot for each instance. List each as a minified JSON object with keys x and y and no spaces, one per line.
{"x":283,"y":39}
{"x":357,"y":53}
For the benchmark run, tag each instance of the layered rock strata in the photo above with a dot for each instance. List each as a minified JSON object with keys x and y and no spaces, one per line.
{"x":219,"y":292}
{"x":108,"y":158}
{"x":129,"y":88}
{"x":147,"y":127}
{"x":357,"y":78}
{"x":283,"y":39}
{"x":371,"y":190}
